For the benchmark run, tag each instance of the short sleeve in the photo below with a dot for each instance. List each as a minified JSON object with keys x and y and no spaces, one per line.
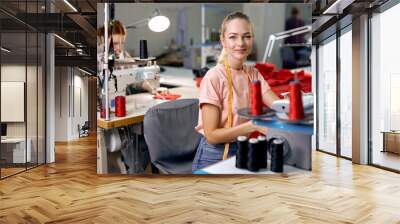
{"x":210,"y":90}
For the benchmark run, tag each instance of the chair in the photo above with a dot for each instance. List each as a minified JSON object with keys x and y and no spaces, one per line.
{"x":84,"y":130}
{"x":170,"y":135}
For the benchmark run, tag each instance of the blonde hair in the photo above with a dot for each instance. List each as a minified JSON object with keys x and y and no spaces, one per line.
{"x":228,"y":18}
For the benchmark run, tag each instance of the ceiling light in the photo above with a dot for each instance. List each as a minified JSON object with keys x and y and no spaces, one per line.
{"x":70,"y":5}
{"x":86,"y":72}
{"x":337,"y":7}
{"x":331,"y":7}
{"x":5,"y":50}
{"x":65,"y":41}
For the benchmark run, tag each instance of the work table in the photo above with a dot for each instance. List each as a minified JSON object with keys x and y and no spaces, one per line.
{"x":136,"y":107}
{"x":138,"y":104}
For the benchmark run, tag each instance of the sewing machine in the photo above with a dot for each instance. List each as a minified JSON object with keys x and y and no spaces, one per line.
{"x":127,"y":76}
{"x":282,"y":106}
{"x":127,"y":72}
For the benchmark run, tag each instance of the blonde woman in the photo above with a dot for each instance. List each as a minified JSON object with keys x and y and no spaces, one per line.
{"x":224,"y":90}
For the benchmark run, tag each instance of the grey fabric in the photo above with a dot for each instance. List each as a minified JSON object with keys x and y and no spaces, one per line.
{"x":135,"y":158}
{"x":130,"y":147}
{"x":170,"y":135}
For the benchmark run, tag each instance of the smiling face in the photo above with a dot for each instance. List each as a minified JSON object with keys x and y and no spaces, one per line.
{"x":237,"y":39}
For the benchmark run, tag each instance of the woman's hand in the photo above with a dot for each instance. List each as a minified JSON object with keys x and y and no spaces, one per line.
{"x":270,"y":98}
{"x":147,"y":86}
{"x":151,"y":85}
{"x":215,"y":134}
{"x":252,"y":128}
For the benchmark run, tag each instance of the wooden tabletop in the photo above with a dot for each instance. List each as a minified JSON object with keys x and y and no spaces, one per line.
{"x":138,"y":104}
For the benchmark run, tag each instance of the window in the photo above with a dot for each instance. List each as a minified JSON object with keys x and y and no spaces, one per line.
{"x":327,"y":96}
{"x":22,"y":75}
{"x":346,"y":95}
{"x":385,"y":89}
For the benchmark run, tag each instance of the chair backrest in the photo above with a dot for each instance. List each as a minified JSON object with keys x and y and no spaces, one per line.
{"x":86,"y":125}
{"x":170,"y":135}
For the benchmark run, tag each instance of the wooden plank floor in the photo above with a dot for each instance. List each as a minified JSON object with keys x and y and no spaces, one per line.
{"x":70,"y":191}
{"x":10,"y":171}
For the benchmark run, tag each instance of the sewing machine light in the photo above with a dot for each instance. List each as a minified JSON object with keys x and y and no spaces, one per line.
{"x":283,"y":35}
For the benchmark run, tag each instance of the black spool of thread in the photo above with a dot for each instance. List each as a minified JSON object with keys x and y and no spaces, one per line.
{"x":143,"y":49}
{"x":277,"y":155}
{"x":241,"y":152}
{"x":253,"y":155}
{"x":263,"y":145}
{"x":112,"y":11}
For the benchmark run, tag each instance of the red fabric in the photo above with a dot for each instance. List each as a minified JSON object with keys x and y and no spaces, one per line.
{"x":265,"y":69}
{"x":167,"y":96}
{"x":198,"y":81}
{"x":255,"y":134}
{"x":279,"y":80}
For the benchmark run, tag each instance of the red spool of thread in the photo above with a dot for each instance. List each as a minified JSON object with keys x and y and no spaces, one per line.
{"x":255,"y":98}
{"x":120,"y":109}
{"x":103,"y":112}
{"x":255,"y":134}
{"x":296,"y":111}
{"x":198,"y":81}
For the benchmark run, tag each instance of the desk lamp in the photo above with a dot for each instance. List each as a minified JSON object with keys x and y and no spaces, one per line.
{"x":282,"y":35}
{"x":282,"y":106}
{"x":156,"y":23}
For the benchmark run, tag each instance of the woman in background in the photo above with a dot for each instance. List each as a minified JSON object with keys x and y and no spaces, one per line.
{"x":118,"y":37}
{"x":126,"y":158}
{"x":224,"y":90}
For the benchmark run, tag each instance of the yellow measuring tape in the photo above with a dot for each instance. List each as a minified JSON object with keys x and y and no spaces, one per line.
{"x":230,"y":94}
{"x":230,"y":119}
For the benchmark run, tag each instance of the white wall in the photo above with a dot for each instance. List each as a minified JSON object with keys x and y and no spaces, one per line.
{"x":16,"y":73}
{"x":314,"y":90}
{"x":67,"y":115}
{"x":33,"y":126}
{"x":61,"y":103}
{"x":266,"y":18}
{"x":215,"y":14}
{"x":80,"y":110}
{"x":129,"y":13}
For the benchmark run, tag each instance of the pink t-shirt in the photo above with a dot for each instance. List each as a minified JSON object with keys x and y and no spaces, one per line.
{"x":214,"y":90}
